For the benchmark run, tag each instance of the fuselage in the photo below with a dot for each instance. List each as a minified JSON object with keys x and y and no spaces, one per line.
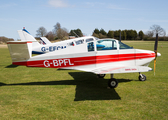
{"x":94,"y":55}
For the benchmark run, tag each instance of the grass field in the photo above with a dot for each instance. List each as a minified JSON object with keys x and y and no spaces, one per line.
{"x":46,"y":93}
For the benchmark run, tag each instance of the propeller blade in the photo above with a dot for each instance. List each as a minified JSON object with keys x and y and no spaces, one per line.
{"x":154,"y":65}
{"x":155,"y":50}
{"x":156,"y":43}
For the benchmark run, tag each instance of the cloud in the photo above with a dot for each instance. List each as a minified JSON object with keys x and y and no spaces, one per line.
{"x":58,"y":3}
{"x":7,"y":5}
{"x":116,"y":7}
{"x":94,"y":4}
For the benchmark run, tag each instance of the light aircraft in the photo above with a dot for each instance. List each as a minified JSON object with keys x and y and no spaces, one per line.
{"x":103,"y":56}
{"x":46,"y":46}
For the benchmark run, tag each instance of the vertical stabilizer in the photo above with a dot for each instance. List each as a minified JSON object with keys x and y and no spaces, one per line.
{"x":26,"y":36}
{"x":44,"y":41}
{"x":20,"y":51}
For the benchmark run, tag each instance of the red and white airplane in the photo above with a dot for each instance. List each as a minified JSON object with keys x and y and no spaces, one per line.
{"x":103,"y":56}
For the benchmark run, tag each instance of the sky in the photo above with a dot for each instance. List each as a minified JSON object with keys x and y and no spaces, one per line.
{"x":85,"y":15}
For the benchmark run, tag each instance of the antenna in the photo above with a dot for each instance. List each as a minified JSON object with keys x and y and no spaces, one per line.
{"x":75,"y":34}
{"x":120,"y":36}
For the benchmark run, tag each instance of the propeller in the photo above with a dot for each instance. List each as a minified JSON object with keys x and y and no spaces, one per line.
{"x":155,"y":50}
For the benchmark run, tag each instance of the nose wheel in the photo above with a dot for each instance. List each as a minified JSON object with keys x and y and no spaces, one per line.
{"x":142,"y":77}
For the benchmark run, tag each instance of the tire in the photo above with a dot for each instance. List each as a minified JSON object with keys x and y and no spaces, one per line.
{"x":101,"y":75}
{"x":113,"y":83}
{"x":142,"y":77}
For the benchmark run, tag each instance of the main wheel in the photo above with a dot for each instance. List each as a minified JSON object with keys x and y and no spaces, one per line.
{"x":101,"y":75}
{"x":142,"y":77}
{"x":112,"y":83}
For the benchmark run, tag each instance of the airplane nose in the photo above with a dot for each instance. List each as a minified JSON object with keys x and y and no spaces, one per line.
{"x":158,"y":54}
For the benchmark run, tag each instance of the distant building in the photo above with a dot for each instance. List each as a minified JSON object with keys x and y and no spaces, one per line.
{"x":72,"y":37}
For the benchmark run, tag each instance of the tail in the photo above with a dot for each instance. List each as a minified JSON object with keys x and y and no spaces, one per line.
{"x":20,"y":52}
{"x":26,"y":36}
{"x":44,"y":41}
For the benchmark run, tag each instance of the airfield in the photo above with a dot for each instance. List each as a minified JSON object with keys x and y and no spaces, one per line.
{"x":47,"y":93}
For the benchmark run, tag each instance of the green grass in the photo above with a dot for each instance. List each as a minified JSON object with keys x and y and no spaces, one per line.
{"x":45,"y":93}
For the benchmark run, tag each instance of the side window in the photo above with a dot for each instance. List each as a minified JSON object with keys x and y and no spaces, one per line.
{"x":79,"y":42}
{"x":106,"y":45}
{"x":89,"y":39}
{"x":90,"y":46}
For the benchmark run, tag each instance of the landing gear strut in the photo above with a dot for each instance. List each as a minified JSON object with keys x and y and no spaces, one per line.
{"x":112,"y":83}
{"x":142,"y":77}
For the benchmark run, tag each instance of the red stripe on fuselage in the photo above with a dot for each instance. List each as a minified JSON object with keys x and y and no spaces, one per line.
{"x":23,"y":63}
{"x":79,"y":61}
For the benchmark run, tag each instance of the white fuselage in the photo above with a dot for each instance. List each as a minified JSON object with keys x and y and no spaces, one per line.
{"x":95,"y":56}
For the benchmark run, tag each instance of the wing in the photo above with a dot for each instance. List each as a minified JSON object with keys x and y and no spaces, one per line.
{"x":121,"y":69}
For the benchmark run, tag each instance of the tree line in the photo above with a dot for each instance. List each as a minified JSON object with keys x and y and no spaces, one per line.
{"x":5,"y":39}
{"x":62,"y":33}
{"x":125,"y":34}
{"x":58,"y":32}
{"x":132,"y":34}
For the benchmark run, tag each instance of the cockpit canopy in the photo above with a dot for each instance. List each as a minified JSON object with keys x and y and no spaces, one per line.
{"x":107,"y":44}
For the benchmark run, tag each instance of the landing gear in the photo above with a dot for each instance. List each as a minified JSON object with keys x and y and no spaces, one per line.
{"x":142,"y":77}
{"x":101,"y":75}
{"x":112,"y":83}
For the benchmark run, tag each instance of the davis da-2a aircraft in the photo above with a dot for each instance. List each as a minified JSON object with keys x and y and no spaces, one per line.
{"x":102,"y":56}
{"x":46,"y":46}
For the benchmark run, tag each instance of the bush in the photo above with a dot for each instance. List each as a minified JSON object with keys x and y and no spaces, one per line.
{"x":5,"y":40}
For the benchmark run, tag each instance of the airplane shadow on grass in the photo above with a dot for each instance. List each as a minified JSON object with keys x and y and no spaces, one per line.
{"x":11,"y":66}
{"x":88,"y":87}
